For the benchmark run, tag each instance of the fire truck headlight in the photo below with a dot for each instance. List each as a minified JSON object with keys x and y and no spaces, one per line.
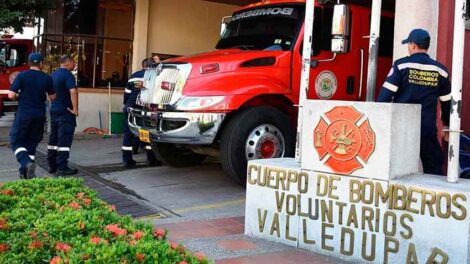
{"x":12,"y":76}
{"x":191,"y":103}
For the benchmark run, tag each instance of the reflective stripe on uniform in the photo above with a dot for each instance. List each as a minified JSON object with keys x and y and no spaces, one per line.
{"x":49,"y":147}
{"x":127,"y":148}
{"x":391,"y":87}
{"x":423,"y":67}
{"x":63,"y":149}
{"x":445,"y":98}
{"x":32,"y":157}
{"x":148,"y":147}
{"x":128,"y":90}
{"x":18,"y":150}
{"x":135,"y":80}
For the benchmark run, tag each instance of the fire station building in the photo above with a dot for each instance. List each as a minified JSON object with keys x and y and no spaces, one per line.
{"x":111,"y":37}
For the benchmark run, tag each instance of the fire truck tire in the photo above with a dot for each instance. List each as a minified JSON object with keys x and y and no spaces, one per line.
{"x":237,"y":133}
{"x":176,"y":156}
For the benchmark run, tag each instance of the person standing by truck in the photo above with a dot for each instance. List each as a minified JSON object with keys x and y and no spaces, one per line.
{"x":31,"y":88}
{"x":64,"y":111}
{"x":134,"y":85}
{"x":156,"y":58}
{"x":418,"y":79}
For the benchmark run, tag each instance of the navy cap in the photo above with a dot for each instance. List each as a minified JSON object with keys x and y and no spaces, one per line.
{"x":35,"y":57}
{"x":418,"y":36}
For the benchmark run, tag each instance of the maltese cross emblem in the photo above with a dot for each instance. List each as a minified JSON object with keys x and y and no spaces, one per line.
{"x":344,"y":139}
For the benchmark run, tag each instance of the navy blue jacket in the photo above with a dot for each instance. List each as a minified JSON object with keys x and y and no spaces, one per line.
{"x":131,"y":92}
{"x":418,"y":79}
{"x":64,"y":81}
{"x":32,"y":86}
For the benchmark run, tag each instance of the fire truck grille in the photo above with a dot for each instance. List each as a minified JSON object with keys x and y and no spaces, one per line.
{"x":169,"y":78}
{"x":143,"y":122}
{"x":164,"y":84}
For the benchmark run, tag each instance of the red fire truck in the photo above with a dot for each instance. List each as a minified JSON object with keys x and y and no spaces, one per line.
{"x":239,"y":102}
{"x":13,"y":59}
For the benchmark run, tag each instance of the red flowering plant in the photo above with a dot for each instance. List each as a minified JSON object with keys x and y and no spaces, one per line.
{"x":59,"y":221}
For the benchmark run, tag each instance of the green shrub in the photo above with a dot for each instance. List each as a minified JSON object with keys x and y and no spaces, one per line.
{"x":60,"y":221}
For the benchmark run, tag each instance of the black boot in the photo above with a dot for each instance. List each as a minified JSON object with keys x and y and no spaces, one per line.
{"x":130,"y":164}
{"x":153,"y":163}
{"x":67,"y":171}
{"x":30,"y":172}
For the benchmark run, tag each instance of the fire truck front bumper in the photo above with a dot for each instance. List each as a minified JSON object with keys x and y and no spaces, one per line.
{"x":176,"y":127}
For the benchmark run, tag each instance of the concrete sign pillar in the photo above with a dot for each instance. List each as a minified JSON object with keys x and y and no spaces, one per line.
{"x":141,"y":22}
{"x":356,"y":194}
{"x":341,"y":138}
{"x":415,"y":14}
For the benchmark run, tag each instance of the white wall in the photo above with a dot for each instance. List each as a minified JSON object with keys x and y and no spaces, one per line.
{"x":28,"y":33}
{"x":90,"y":104}
{"x":411,"y":14}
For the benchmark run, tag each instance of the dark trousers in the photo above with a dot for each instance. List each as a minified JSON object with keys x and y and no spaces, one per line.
{"x":129,"y":142}
{"x":60,"y":140}
{"x":25,"y":135}
{"x":431,"y":155}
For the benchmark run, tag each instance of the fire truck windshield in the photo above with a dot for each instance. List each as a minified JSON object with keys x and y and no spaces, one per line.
{"x":263,"y":28}
{"x":17,"y":56}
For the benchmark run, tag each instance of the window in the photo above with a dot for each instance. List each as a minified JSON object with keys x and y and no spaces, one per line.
{"x":322,"y":30}
{"x":97,"y":33}
{"x":273,"y":28}
{"x":80,"y":16}
{"x":17,"y":56}
{"x":13,"y":61}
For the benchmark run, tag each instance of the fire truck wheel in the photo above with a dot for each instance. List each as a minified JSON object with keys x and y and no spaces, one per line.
{"x":176,"y":156}
{"x":257,"y":133}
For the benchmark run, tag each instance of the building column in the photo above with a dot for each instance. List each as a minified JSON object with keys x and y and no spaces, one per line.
{"x":141,"y":22}
{"x":415,"y":14}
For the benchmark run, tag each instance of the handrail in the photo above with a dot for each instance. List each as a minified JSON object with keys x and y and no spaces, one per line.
{"x":361,"y":77}
{"x":82,"y":36}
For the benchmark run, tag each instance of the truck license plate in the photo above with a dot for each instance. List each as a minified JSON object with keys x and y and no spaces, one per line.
{"x":144,"y":135}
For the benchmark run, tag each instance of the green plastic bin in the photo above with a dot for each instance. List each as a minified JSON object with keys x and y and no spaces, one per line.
{"x":117,"y":119}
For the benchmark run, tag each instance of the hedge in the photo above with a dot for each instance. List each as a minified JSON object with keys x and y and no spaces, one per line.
{"x":60,"y":221}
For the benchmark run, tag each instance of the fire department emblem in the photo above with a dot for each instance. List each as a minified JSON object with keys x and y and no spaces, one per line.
{"x":13,"y":76}
{"x":326,"y":85}
{"x":344,"y":139}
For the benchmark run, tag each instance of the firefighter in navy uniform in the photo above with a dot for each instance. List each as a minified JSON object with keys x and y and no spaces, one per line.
{"x":31,"y":88}
{"x":64,"y":111}
{"x":418,"y":79}
{"x":134,"y":85}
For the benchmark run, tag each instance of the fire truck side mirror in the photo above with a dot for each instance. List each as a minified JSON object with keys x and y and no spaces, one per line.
{"x":223,"y":26}
{"x":340,"y":29}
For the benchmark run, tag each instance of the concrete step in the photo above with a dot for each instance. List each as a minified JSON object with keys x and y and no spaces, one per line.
{"x":7,"y":119}
{"x":6,"y":123}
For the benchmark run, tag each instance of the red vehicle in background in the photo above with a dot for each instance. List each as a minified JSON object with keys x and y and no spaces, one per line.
{"x":239,"y":102}
{"x":13,"y":60}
